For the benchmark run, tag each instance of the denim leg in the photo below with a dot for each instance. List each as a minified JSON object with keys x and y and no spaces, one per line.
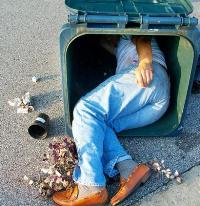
{"x":88,"y":130}
{"x":96,"y":115}
{"x":152,"y":104}
{"x":144,"y":109}
{"x":112,"y":151}
{"x":140,"y":118}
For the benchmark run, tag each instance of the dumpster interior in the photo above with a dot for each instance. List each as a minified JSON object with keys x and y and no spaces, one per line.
{"x":88,"y":64}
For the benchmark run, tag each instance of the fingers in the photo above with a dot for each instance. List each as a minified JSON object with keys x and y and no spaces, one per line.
{"x":149,"y":76}
{"x":144,"y":77}
{"x":139,"y":79}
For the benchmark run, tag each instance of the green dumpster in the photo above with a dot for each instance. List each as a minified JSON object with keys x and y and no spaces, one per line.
{"x":85,"y":64}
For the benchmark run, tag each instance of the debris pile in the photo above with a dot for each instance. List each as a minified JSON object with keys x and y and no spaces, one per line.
{"x":166,"y":172}
{"x":22,"y":104}
{"x":60,"y":160}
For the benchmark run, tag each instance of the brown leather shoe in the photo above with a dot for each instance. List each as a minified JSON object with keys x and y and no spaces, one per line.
{"x":139,"y":175}
{"x":70,"y":198}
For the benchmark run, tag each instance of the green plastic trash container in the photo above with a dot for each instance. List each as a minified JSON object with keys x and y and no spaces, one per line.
{"x":85,"y":64}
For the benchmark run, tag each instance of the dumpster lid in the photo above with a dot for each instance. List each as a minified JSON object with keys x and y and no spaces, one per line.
{"x":132,"y":7}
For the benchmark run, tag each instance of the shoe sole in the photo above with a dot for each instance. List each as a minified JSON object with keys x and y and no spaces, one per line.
{"x":143,"y":181}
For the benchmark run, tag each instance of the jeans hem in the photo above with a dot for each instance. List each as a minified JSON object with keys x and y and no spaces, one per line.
{"x":109,"y":168}
{"x":77,"y":179}
{"x":89,"y":184}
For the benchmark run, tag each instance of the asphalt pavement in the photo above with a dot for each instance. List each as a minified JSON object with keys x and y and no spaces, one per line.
{"x":29,"y":47}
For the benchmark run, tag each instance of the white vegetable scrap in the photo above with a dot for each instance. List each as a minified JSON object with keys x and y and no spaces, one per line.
{"x":26,"y":178}
{"x":23,"y":104}
{"x":176,"y":173}
{"x":26,"y":99}
{"x":167,"y":175}
{"x":15,"y":103}
{"x":160,"y":168}
{"x":30,"y":182}
{"x":22,"y":110}
{"x":179,"y":179}
{"x":35,"y":79}
{"x":57,"y":173}
{"x":156,"y":166}
{"x":45,"y":171}
{"x":30,"y":109}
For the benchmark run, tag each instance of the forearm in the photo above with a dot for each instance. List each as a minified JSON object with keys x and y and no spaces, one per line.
{"x":144,"y":71}
{"x":143,"y":47}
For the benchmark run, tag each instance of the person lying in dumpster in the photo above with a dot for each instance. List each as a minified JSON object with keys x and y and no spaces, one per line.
{"x":137,"y":95}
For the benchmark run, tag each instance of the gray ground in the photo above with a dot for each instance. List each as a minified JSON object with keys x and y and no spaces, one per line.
{"x":29,"y":46}
{"x":185,"y":194}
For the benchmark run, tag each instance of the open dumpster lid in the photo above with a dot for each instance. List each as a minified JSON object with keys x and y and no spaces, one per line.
{"x":132,"y":7}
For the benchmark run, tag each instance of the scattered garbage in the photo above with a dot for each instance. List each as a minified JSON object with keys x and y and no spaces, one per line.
{"x":161,"y":169}
{"x":26,"y":178}
{"x":35,"y":79}
{"x":60,"y":161}
{"x":30,"y":182}
{"x":23,"y":104}
{"x":56,"y":175}
{"x":15,"y":103}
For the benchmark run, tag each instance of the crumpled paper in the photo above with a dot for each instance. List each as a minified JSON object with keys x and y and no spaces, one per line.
{"x":22,"y":104}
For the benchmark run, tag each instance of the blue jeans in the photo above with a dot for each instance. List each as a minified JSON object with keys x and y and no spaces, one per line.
{"x":115,"y":105}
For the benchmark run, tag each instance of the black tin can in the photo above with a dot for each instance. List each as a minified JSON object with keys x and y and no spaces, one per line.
{"x":39,"y":128}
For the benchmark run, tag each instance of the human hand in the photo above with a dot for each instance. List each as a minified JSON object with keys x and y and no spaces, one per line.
{"x":144,"y":74}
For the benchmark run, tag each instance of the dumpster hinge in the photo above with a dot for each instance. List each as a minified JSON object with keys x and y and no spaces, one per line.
{"x":119,"y":20}
{"x":177,"y":21}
